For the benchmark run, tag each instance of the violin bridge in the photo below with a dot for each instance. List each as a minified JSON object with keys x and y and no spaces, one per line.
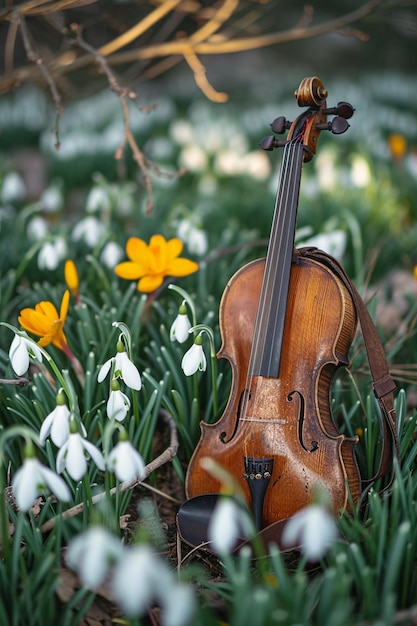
{"x":258,"y":472}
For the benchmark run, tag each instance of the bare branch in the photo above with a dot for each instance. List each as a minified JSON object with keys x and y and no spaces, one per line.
{"x":38,"y":61}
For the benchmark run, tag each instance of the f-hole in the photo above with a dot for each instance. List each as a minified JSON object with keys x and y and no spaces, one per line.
{"x":301,"y":418}
{"x":244,"y":396}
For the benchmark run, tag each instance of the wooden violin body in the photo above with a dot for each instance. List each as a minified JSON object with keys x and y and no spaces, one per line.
{"x":286,"y":430}
{"x":287,"y":323}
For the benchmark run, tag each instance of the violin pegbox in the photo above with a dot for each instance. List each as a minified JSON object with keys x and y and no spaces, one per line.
{"x":307,"y":126}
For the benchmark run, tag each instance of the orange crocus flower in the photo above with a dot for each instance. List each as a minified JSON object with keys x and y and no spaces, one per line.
{"x":43,"y":321}
{"x":149,"y":264}
{"x":71,"y":278}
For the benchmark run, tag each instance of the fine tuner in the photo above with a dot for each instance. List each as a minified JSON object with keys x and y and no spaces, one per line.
{"x":338,"y":125}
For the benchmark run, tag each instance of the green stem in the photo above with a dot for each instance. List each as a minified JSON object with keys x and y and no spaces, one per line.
{"x":188,"y":300}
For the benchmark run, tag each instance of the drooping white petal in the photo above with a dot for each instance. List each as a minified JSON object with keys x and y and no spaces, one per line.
{"x":19,"y":356}
{"x":56,"y":425}
{"x":94,"y":453}
{"x":92,"y":553}
{"x":179,"y":328}
{"x":104,"y":370}
{"x":72,"y":458}
{"x":25,"y":484}
{"x":225,"y":526}
{"x":194,"y":359}
{"x":126,"y":462}
{"x":130,"y":373}
{"x":56,"y":484}
{"x":118,"y":405}
{"x":179,"y":605}
{"x":132,"y":584}
{"x":313,"y":528}
{"x":32,"y":479}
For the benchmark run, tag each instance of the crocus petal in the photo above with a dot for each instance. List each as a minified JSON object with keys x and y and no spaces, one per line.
{"x":129,"y":270}
{"x":147,"y":284}
{"x":182,"y":267}
{"x":64,"y":306}
{"x":18,"y":355}
{"x":137,"y":250}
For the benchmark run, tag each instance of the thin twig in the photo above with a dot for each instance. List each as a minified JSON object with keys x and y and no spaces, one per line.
{"x":38,"y":61}
{"x":167,"y":455}
{"x":20,"y":382}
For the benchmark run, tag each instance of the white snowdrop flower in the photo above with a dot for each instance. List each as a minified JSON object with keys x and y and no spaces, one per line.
{"x":74,"y":453}
{"x":193,"y":158}
{"x":313,"y":529}
{"x":125,"y":461}
{"x":92,"y":553}
{"x":182,"y":132}
{"x":194,"y":359}
{"x":90,"y":230}
{"x":194,"y":237}
{"x":56,"y":424}
{"x":178,"y":603}
{"x":137,"y":578}
{"x":257,"y":165}
{"x":51,"y":200}
{"x":228,"y":163}
{"x":37,"y":228}
{"x":123,"y":368}
{"x":360,"y":172}
{"x":97,"y":200}
{"x":227,"y":524}
{"x":21,"y":349}
{"x":180,"y":326}
{"x":51,"y":254}
{"x":13,"y":188}
{"x":118,"y":404}
{"x":32,"y":479}
{"x":111,"y":254}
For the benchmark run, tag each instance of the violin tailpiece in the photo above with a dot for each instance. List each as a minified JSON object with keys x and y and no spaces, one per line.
{"x":258,"y":473}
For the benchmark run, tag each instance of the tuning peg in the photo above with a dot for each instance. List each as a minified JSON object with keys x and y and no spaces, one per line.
{"x":343,"y":109}
{"x":270,"y":142}
{"x":337,"y":126}
{"x":280,"y":125}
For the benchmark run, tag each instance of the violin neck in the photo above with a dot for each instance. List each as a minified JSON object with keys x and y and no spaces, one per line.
{"x":269,"y":328}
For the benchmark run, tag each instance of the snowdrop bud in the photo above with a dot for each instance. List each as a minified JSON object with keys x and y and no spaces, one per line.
{"x":180,"y":326}
{"x":194,"y":359}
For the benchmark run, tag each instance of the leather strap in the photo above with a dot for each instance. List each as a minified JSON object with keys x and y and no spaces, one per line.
{"x":383,"y":384}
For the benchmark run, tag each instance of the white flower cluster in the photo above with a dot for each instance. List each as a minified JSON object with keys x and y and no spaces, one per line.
{"x":69,"y":435}
{"x":138,"y":577}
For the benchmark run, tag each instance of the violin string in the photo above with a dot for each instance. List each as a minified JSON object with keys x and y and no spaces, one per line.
{"x":271,"y":289}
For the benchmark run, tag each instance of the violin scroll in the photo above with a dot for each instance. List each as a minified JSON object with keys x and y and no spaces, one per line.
{"x":306,"y":128}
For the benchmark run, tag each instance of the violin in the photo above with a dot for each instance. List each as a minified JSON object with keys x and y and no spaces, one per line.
{"x":287,"y":323}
